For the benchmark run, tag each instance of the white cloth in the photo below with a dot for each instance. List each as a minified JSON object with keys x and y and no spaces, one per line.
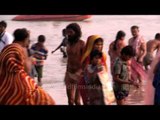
{"x":6,"y":39}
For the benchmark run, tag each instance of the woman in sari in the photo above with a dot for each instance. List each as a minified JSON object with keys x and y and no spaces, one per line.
{"x":115,"y":47}
{"x":94,"y":42}
{"x":16,"y":86}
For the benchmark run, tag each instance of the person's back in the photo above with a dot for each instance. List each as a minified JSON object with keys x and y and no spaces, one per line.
{"x":16,"y":86}
{"x":152,"y":46}
{"x":116,"y":46}
{"x":113,"y":54}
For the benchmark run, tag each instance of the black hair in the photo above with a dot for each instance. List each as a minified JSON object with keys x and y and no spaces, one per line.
{"x":41,"y":38}
{"x":21,"y":34}
{"x":157,"y":36}
{"x":98,"y":40}
{"x":134,"y":27}
{"x":75,"y":27}
{"x":95,"y":53}
{"x":3,"y":23}
{"x":128,"y":51}
{"x":119,"y":35}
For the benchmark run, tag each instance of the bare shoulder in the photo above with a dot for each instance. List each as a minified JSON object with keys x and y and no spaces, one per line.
{"x":81,"y":41}
{"x":130,"y":40}
{"x":111,"y":44}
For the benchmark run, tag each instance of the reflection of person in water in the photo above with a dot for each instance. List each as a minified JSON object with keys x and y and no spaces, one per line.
{"x":63,"y":44}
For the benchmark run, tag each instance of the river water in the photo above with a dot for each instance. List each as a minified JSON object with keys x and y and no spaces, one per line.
{"x":103,"y":25}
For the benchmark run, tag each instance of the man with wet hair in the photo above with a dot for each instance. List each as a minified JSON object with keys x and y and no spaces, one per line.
{"x":75,"y":49}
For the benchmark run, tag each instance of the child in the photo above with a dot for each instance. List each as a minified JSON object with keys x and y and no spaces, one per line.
{"x":94,"y":78}
{"x":121,"y":75}
{"x":32,"y":71}
{"x":63,"y":44}
{"x":40,"y":54}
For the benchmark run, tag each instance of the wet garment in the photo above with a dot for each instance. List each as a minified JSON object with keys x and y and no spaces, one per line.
{"x":156,"y":84}
{"x":85,"y":61}
{"x":99,"y":88}
{"x":148,"y":59}
{"x":121,"y":68}
{"x":16,"y":86}
{"x":40,"y":54}
{"x":137,"y":70}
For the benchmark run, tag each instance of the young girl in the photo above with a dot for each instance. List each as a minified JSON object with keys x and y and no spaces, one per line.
{"x":95,"y":93}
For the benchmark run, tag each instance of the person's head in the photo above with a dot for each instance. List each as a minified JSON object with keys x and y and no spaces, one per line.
{"x":95,"y":57}
{"x":157,"y":36}
{"x":120,"y":36}
{"x":21,"y":35}
{"x":135,"y":31}
{"x":3,"y":26}
{"x":41,"y":39}
{"x":98,"y":44}
{"x":64,"y":32}
{"x":73,"y":32}
{"x":127,"y":53}
{"x":93,"y":42}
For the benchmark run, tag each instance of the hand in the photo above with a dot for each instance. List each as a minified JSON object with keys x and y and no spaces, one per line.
{"x":136,"y":84}
{"x":140,"y":60}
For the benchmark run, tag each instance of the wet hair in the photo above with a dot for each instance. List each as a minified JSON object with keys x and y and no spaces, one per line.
{"x":64,"y":32}
{"x":75,"y":27}
{"x":21,"y":34}
{"x":41,"y":38}
{"x":95,"y":53}
{"x":134,"y":27}
{"x":98,"y":40}
{"x":128,"y":51}
{"x":3,"y":23}
{"x":157,"y":36}
{"x":119,"y":35}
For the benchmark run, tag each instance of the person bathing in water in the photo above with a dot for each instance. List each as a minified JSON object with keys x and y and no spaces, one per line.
{"x":63,"y":44}
{"x":152,"y":45}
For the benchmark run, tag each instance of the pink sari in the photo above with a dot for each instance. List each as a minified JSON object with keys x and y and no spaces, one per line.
{"x":137,"y":71}
{"x":150,"y":90}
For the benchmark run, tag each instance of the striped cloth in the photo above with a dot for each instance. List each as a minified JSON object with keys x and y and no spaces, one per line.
{"x":16,"y":87}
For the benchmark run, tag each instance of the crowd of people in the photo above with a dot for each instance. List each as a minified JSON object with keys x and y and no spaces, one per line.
{"x":87,"y":72}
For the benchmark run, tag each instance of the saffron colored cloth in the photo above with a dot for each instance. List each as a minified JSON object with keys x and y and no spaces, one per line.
{"x":16,"y":86}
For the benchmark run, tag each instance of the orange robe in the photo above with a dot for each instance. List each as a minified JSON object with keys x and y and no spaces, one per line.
{"x":16,"y":86}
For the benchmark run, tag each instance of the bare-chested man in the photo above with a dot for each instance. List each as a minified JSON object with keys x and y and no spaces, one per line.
{"x":75,"y":49}
{"x":139,"y":45}
{"x":152,"y":45}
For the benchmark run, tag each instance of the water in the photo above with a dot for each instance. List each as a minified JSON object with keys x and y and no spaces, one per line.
{"x":104,"y":25}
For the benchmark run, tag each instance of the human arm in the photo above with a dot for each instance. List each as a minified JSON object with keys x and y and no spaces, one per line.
{"x":120,"y":81}
{"x":57,"y":47}
{"x":142,"y":52}
{"x":158,"y":48}
{"x":109,"y":51}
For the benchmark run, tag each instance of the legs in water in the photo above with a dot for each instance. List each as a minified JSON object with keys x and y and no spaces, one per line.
{"x":73,"y":94}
